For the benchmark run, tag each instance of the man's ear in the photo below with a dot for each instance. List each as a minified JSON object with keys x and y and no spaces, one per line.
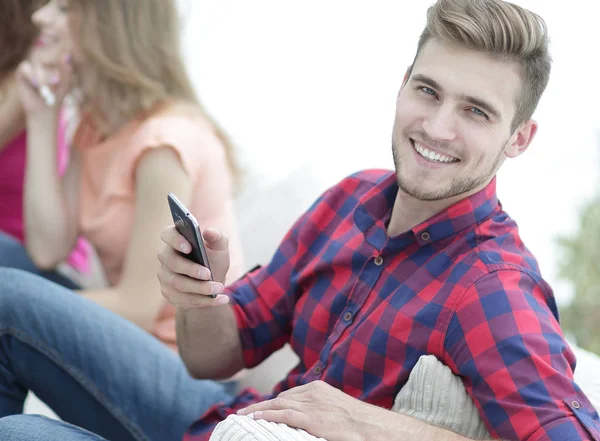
{"x":521,"y":138}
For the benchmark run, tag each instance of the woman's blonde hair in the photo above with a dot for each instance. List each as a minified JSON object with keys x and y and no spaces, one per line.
{"x":499,"y":29}
{"x":131,"y":51}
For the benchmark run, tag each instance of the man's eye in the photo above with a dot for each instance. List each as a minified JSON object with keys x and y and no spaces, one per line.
{"x":428,"y":90}
{"x":478,"y":112}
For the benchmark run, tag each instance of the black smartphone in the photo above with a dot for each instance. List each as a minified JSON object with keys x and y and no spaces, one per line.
{"x":186,"y":224}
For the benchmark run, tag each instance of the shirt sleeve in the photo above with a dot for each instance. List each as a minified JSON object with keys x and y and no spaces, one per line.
{"x":505,"y":342}
{"x":264,"y":300}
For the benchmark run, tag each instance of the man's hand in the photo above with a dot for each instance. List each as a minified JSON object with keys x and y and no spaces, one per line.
{"x":321,"y":410}
{"x":186,"y":284}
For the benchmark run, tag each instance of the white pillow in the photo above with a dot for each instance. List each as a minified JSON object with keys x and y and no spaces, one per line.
{"x":432,"y":394}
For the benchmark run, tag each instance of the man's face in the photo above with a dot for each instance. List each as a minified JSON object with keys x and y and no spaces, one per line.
{"x":452,"y":129}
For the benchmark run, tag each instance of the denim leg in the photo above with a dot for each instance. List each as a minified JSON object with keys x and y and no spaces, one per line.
{"x":39,"y":428}
{"x":14,"y":255}
{"x":95,"y":369}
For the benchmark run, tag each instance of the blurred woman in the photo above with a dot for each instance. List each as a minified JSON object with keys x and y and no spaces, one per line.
{"x":142,"y":134}
{"x":17,"y":36}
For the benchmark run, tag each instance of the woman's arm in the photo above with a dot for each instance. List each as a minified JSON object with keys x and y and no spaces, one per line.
{"x":50,"y":202}
{"x":137,"y":297}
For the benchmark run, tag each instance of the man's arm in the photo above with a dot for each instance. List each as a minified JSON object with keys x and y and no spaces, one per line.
{"x":505,"y":342}
{"x":207,"y":333}
{"x":390,"y":425}
{"x":324,"y":411}
{"x":215,"y":339}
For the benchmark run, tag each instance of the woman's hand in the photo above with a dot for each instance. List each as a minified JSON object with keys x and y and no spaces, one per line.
{"x":42,"y":88}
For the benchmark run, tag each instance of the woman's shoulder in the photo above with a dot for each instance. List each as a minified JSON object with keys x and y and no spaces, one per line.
{"x":182,"y":126}
{"x":184,"y":115}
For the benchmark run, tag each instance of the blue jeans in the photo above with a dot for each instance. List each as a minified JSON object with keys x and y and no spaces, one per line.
{"x":14,"y":255}
{"x":104,"y":376}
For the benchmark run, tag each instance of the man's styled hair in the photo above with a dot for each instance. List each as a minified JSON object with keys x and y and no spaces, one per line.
{"x":499,"y":29}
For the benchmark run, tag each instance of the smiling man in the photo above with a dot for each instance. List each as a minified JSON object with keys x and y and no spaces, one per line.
{"x":384,"y":268}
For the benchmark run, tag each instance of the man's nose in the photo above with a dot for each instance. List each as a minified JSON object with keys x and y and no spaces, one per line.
{"x":441,"y":124}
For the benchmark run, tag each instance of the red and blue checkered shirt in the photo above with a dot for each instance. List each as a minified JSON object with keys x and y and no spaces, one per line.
{"x":359,"y":308}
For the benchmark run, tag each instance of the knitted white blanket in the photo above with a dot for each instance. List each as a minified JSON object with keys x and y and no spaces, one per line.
{"x":432,"y":394}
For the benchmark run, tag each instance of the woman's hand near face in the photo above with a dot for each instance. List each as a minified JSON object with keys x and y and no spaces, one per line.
{"x":42,"y":88}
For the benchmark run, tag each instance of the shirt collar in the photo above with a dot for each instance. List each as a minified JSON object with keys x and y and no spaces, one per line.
{"x":375,"y":208}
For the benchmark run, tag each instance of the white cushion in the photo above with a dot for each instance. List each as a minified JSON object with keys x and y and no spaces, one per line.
{"x":432,"y":394}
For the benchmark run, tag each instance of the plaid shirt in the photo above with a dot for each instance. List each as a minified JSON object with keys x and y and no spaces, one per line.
{"x":359,"y":308}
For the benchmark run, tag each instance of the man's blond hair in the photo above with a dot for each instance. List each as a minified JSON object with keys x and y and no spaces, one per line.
{"x":499,"y":29}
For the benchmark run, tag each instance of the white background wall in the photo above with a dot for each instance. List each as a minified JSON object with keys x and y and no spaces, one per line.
{"x":315,"y":81}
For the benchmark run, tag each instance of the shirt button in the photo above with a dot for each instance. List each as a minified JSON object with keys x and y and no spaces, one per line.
{"x":575,"y":404}
{"x":378,"y":260}
{"x":348,"y":316}
{"x":425,"y":236}
{"x":318,"y":369}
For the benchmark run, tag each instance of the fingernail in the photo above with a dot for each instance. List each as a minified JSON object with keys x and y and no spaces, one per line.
{"x":222,"y":300}
{"x":203,"y":274}
{"x":183,"y":247}
{"x":216,"y":288}
{"x":257,"y":415}
{"x":241,"y":411}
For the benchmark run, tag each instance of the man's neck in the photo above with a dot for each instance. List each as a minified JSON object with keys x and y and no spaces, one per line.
{"x":408,"y":212}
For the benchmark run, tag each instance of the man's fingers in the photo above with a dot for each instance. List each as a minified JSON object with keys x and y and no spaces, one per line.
{"x":317,"y":386}
{"x":171,"y":237}
{"x":289,"y":417}
{"x":189,"y":301}
{"x":189,"y":284}
{"x":215,"y":239}
{"x":278,"y":403}
{"x":179,"y":264}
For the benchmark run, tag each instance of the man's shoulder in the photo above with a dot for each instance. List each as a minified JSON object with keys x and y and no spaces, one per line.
{"x":497,"y":251}
{"x":499,"y":245}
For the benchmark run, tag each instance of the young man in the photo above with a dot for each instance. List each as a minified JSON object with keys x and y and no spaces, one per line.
{"x":384,"y":267}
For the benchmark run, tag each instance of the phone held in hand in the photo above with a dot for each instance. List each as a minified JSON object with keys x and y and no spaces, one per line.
{"x":187,"y":226}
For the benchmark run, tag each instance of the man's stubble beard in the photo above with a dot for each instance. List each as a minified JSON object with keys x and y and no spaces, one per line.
{"x":457,"y":187}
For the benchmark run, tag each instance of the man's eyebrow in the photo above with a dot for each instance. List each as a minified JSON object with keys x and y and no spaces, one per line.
{"x":477,"y":102}
{"x":427,"y":80}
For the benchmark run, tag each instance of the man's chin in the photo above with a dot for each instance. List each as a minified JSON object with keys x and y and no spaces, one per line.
{"x":420,"y":193}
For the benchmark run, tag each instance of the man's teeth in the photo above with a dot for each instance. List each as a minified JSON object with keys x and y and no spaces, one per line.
{"x":433,"y":156}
